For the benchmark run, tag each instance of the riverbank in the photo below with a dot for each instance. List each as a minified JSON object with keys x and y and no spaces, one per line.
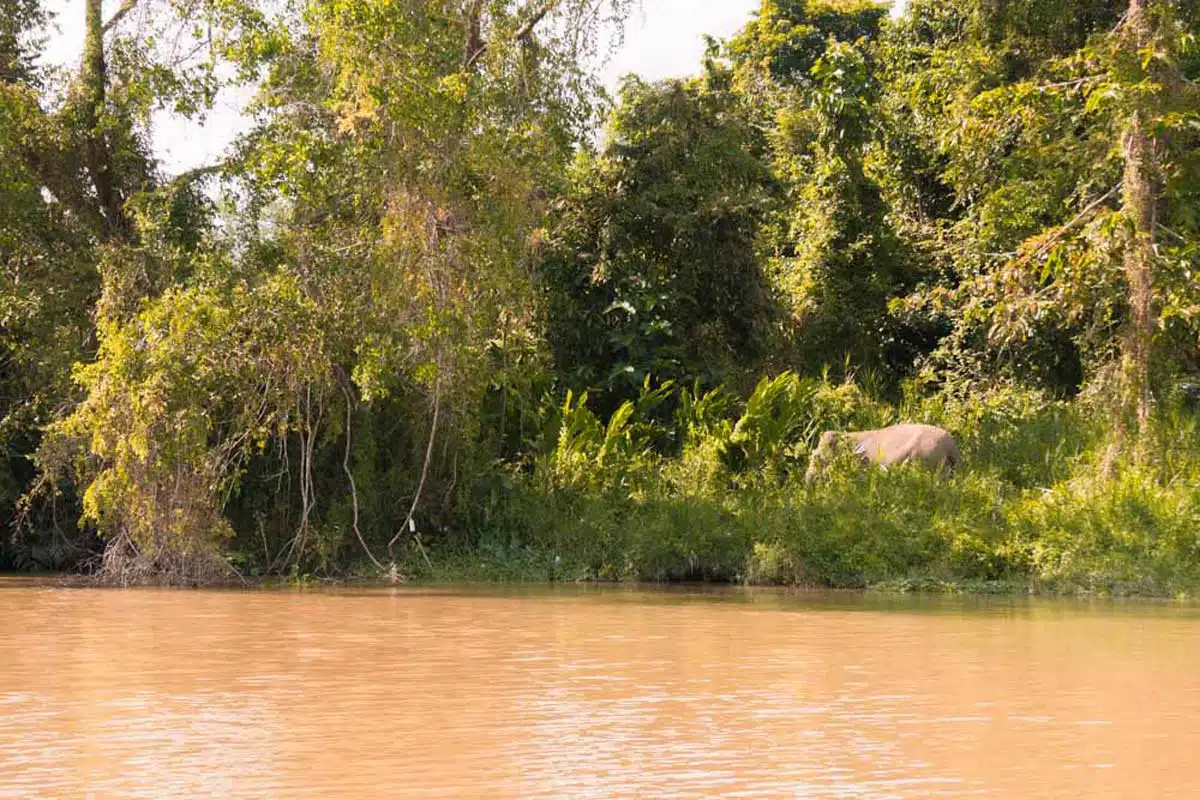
{"x":714,"y":492}
{"x":1036,"y":508}
{"x":483,"y":573}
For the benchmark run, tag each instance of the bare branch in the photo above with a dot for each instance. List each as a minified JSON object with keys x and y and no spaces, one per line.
{"x":1071,"y":84}
{"x":125,"y":8}
{"x":1062,"y":231}
{"x":1165,"y":229}
{"x":526,"y":30}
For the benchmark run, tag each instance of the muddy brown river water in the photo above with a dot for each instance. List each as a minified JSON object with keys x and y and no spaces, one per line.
{"x":582,"y":692}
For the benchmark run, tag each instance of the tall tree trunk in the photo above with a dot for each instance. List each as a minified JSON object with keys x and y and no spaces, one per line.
{"x":1139,"y":200}
{"x":475,"y":45}
{"x":99,"y":157}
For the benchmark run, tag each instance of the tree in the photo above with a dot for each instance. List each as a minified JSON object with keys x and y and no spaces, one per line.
{"x":1054,"y":147}
{"x":386,"y":205}
{"x":809,"y":68}
{"x":1163,"y":112}
{"x":651,"y":267}
{"x":92,"y":232}
{"x":47,"y":286}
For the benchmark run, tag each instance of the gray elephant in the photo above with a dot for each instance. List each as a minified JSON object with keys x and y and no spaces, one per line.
{"x":926,"y":444}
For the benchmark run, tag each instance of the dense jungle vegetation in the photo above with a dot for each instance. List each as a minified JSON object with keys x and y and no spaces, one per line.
{"x":422,"y":322}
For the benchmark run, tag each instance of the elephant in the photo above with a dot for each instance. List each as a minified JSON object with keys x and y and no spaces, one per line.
{"x":926,"y":444}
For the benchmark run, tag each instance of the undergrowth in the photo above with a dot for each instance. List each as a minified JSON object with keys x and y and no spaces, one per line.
{"x":716,"y":493}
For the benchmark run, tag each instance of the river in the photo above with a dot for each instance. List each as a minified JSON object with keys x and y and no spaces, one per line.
{"x":589,"y":692}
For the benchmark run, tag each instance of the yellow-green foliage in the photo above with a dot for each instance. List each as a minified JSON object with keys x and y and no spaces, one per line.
{"x":178,"y":398}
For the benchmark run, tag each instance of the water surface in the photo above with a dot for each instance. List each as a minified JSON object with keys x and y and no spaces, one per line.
{"x":591,"y":693}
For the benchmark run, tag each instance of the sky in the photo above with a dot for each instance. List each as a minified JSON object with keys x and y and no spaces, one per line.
{"x":665,"y":39}
{"x":662,"y":40}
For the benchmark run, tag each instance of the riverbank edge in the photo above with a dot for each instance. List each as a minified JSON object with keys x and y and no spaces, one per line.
{"x":447,"y":577}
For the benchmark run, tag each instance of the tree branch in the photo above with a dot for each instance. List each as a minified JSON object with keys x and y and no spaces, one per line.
{"x":1058,"y":234}
{"x":526,"y":30}
{"x":1165,"y":229}
{"x":125,"y":8}
{"x":1071,"y":84}
{"x":476,"y":46}
{"x":196,"y":173}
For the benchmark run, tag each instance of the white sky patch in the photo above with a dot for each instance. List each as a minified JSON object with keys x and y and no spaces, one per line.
{"x":665,"y":38}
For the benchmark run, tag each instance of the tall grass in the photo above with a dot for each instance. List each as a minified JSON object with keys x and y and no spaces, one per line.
{"x":717,"y":493}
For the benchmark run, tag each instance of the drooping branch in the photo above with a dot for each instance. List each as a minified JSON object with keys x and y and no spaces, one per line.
{"x":408,"y":521}
{"x":347,"y":393}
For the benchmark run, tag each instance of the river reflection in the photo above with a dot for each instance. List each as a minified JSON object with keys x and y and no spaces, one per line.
{"x":591,"y":693}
